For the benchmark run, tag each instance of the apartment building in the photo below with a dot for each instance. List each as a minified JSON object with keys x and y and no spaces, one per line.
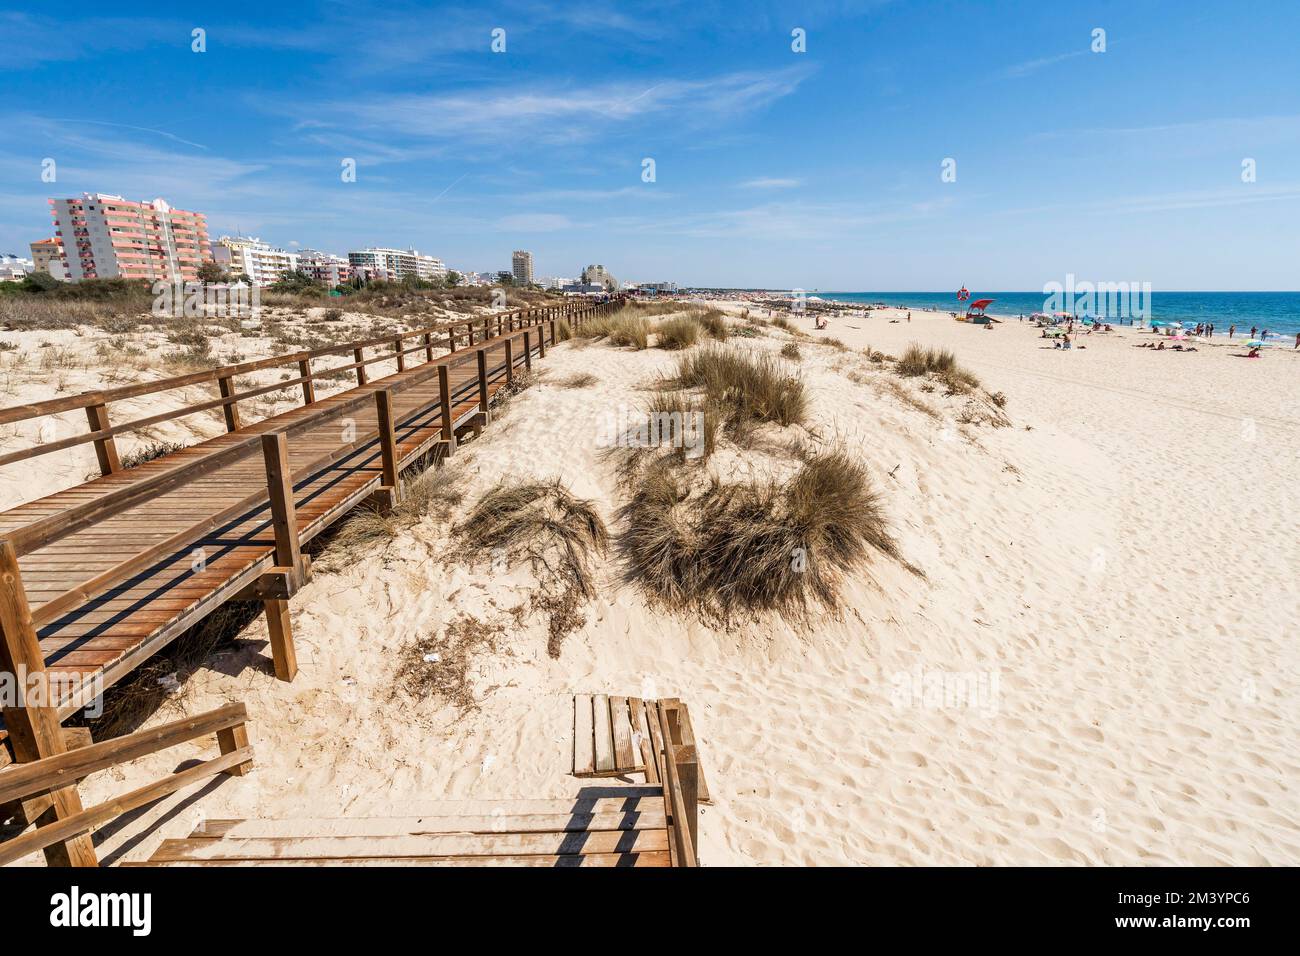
{"x":598,"y":275}
{"x":249,"y":255}
{"x":395,"y":264}
{"x":324,"y":267}
{"x":47,"y":257}
{"x":521,"y":264}
{"x":108,"y":237}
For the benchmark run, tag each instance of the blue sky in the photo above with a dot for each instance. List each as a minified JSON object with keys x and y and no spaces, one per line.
{"x":816,"y":170}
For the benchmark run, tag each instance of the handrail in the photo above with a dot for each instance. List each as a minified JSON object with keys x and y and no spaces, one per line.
{"x":18,"y":413}
{"x":46,"y":530}
{"x":225,"y":374}
{"x":229,"y":723}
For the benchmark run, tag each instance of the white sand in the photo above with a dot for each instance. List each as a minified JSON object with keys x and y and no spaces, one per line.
{"x":1115,"y":574}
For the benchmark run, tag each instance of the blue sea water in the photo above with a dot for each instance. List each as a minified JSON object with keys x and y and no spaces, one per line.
{"x":1278,"y":312}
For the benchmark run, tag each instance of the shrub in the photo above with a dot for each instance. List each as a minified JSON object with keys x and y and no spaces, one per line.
{"x":578,"y":380}
{"x":563,"y":331}
{"x":713,"y":322}
{"x":790,"y":351}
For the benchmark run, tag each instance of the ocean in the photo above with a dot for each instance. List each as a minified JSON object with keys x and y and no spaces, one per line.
{"x":1278,"y":312}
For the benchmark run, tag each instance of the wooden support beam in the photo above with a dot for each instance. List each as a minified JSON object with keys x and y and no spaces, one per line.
{"x":359,"y":355}
{"x":541,"y":340}
{"x":231,"y":740}
{"x":390,"y":489}
{"x":280,"y":628}
{"x":400,"y":355}
{"x":279,"y":486}
{"x":483,"y":397}
{"x":105,"y":448}
{"x":510,"y":361}
{"x":444,"y":399}
{"x":35,"y":731}
{"x":308,"y":383}
{"x":231,"y":410}
{"x":528,"y":350}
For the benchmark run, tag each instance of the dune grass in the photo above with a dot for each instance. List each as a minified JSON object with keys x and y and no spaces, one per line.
{"x":733,"y":550}
{"x":750,"y":388}
{"x":713,"y":321}
{"x":432,"y":493}
{"x":578,"y":380}
{"x":941,"y":364}
{"x":557,"y":533}
{"x":624,"y":328}
{"x":791,"y":351}
{"x":677,"y":333}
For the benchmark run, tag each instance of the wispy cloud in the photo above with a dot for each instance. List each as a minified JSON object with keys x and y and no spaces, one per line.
{"x":1033,"y":66}
{"x":770,"y":182}
{"x":562,"y":113}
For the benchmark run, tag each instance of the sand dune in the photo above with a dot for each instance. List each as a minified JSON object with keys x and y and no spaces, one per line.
{"x":1099,"y":667}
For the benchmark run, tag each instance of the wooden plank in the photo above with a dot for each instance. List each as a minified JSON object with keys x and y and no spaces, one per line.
{"x":604,"y":734}
{"x":650,"y":818}
{"x":625,"y":757}
{"x":653,"y":858}
{"x":688,"y":738}
{"x":642,"y":727}
{"x":584,"y":753}
{"x":422,"y":845}
{"x":61,"y":769}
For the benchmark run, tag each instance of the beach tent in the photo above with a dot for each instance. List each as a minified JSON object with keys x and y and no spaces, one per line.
{"x":976,"y":310}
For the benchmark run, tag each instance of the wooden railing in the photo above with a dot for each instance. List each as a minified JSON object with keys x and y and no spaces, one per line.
{"x":102,"y":433}
{"x":679,"y":767}
{"x":64,"y":770}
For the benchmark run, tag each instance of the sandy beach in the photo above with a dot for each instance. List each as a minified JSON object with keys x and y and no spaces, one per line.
{"x":1095,"y":667}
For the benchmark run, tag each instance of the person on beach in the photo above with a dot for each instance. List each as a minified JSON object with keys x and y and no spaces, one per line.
{"x":909,"y":316}
{"x":1297,"y":340}
{"x":1252,"y":332}
{"x":1232,"y":330}
{"x":1263,"y":336}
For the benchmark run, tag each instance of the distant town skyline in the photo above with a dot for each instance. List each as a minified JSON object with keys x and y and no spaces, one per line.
{"x":881,"y":146}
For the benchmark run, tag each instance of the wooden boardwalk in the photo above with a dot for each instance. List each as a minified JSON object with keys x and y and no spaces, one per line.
{"x":96,"y":579}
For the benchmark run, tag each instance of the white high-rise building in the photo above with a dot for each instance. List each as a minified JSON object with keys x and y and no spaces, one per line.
{"x":396,"y":264}
{"x":262,"y":263}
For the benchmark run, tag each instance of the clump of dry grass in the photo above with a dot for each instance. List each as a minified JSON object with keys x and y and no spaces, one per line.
{"x":939,"y":363}
{"x":543,"y":523}
{"x":563,"y":330}
{"x":439,"y":668}
{"x":432,"y":493}
{"x":621,"y":329}
{"x":733,"y":550}
{"x":677,"y":333}
{"x":578,"y":380}
{"x":713,"y":322}
{"x":791,"y":351}
{"x":752,"y":388}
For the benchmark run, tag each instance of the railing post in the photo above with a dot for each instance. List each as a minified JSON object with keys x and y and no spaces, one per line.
{"x":288,"y":555}
{"x":359,"y":355}
{"x":510,"y":361}
{"x":230,"y":740}
{"x":487,"y":327}
{"x":552,"y":331}
{"x":541,"y":341}
{"x":308,"y":383}
{"x":390,"y":490}
{"x":105,"y":448}
{"x":528,"y":350}
{"x":483,"y":397}
{"x":35,"y":731}
{"x":451,"y":342}
{"x":444,"y":399}
{"x":688,"y":775}
{"x":400,"y":354}
{"x":230,"y":409}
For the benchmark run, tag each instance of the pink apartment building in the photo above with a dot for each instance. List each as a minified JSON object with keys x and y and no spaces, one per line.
{"x":106,"y":237}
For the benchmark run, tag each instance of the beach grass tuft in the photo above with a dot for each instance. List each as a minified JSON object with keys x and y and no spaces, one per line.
{"x":751,"y":388}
